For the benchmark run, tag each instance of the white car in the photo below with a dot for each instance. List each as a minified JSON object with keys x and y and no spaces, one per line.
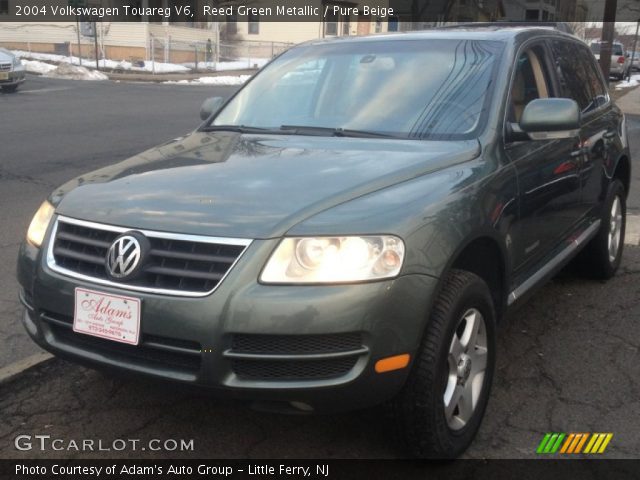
{"x":12,"y":73}
{"x":620,"y":64}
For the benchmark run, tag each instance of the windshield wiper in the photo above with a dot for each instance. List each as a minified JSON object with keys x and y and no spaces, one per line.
{"x":300,"y":130}
{"x":238,"y":129}
{"x":333,"y":132}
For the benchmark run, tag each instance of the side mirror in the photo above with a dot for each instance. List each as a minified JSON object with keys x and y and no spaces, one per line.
{"x":551,"y":118}
{"x":210,"y":106}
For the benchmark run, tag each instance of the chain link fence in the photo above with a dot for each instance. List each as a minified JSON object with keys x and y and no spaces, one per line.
{"x":203,"y":56}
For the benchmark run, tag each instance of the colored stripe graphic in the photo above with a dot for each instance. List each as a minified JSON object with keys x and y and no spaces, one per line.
{"x":543,"y":443}
{"x":583,"y":439}
{"x":573,"y":443}
{"x":605,"y":442}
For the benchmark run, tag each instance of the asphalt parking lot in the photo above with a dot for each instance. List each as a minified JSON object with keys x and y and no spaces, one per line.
{"x":567,"y":361}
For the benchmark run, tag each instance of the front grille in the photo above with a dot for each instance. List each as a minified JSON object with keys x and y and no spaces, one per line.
{"x":153,"y":350}
{"x":296,"y":344}
{"x":5,"y":67}
{"x":174,"y":265}
{"x":294,"y":357}
{"x":293,"y":370}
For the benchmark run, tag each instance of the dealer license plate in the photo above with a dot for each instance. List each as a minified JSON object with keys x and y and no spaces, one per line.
{"x":114,"y":317}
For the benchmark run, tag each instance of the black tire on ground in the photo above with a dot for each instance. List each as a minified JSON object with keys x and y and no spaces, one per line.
{"x":418,"y":412}
{"x":595,"y":260}
{"x":10,"y":89}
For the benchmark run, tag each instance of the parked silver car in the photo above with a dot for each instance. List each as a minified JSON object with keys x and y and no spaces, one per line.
{"x":620,"y":64}
{"x":12,"y":72}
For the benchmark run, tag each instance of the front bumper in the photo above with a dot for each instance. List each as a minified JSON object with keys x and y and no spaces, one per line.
{"x":13,"y":78}
{"x":314,"y":346}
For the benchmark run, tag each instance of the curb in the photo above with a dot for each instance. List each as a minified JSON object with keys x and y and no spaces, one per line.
{"x":10,"y":372}
{"x":632,"y":234}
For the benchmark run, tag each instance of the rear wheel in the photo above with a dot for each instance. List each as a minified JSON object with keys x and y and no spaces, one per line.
{"x":601,"y":258}
{"x":10,"y":88}
{"x":439,"y":410}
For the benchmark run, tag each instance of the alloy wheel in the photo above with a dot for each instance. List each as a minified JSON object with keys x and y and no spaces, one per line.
{"x":467,"y":360}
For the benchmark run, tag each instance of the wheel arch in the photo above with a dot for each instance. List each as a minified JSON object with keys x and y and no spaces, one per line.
{"x":622,"y":172}
{"x":485,"y":255}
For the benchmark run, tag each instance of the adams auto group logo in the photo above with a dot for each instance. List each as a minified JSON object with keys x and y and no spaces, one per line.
{"x":574,"y":443}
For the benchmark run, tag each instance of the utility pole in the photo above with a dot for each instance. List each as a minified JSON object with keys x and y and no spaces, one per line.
{"x":635,"y":45}
{"x":95,"y":43}
{"x":608,"y":29}
{"x":78,"y":32}
{"x":75,"y":4}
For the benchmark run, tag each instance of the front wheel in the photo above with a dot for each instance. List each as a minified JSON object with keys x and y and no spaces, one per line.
{"x":440,"y":408}
{"x":10,"y":88}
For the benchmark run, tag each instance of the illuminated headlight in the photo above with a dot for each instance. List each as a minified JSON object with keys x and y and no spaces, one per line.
{"x":39,"y":224}
{"x":334,"y":259}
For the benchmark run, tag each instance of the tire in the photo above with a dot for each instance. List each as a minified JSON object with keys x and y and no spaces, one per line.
{"x":600,"y":259}
{"x":10,"y":89}
{"x":418,"y":413}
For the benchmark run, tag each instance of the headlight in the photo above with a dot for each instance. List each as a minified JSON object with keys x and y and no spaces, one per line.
{"x":39,"y":224}
{"x":334,"y":259}
{"x":16,"y":62}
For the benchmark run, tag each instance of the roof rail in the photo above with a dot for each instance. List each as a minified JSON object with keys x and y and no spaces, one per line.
{"x":560,"y":26}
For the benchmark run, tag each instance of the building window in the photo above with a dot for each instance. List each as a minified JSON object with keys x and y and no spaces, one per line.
{"x":254,"y":24}
{"x":532,"y":15}
{"x":345,"y":26}
{"x":393,"y":24}
{"x":232,"y":24}
{"x":378,"y":25}
{"x":331,"y":24}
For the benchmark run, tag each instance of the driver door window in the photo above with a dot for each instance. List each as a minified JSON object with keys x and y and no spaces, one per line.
{"x":529,"y":83}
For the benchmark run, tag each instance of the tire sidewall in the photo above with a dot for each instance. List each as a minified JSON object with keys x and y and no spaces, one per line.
{"x":615,"y":189}
{"x":477,"y":296}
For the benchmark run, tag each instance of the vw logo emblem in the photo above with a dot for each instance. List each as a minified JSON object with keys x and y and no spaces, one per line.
{"x":124,"y":255}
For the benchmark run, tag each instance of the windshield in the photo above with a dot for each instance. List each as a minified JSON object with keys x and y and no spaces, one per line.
{"x":436,"y":89}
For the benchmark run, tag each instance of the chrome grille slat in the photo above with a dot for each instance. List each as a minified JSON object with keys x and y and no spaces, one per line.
{"x":184,"y":265}
{"x":5,"y":67}
{"x":65,"y":252}
{"x":80,"y":239}
{"x":192,"y":256}
{"x":174,"y":272}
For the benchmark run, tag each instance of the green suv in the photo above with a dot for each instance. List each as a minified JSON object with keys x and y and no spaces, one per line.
{"x":347,"y":230}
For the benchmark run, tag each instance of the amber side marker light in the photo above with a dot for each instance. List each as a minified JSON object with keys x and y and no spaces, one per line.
{"x":392,"y":363}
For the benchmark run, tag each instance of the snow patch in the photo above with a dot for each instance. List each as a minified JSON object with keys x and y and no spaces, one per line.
{"x":74,"y":72}
{"x":34,"y":66}
{"x":158,"y":67}
{"x":222,"y":80}
{"x":634,"y":81}
{"x":64,"y":70}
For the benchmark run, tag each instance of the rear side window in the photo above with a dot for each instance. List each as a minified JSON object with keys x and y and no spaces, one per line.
{"x":578,"y":76}
{"x":616,"y":49}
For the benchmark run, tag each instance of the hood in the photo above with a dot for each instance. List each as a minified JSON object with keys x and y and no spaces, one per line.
{"x":6,"y":56}
{"x":247,"y":186}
